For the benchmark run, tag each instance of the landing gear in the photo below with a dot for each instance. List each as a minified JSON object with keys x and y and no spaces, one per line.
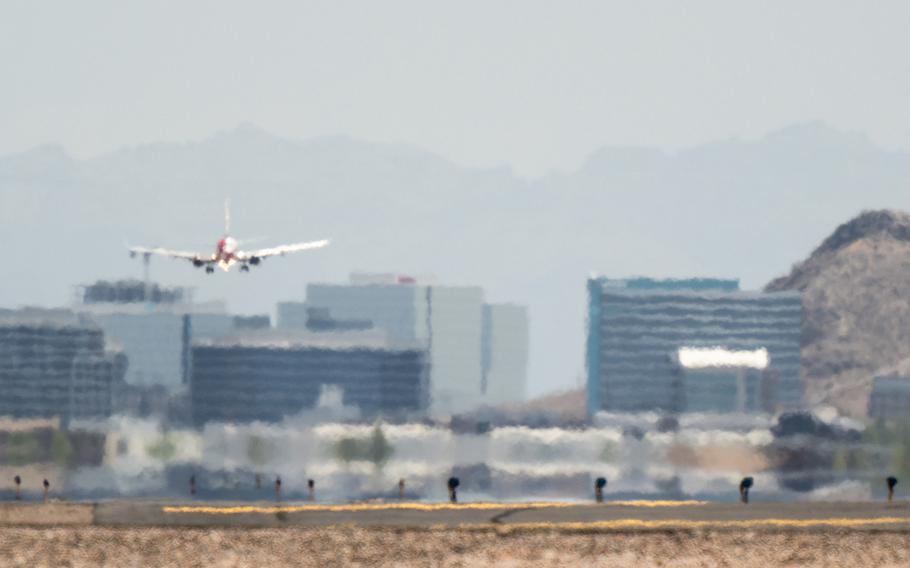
{"x":209,"y":269}
{"x":244,"y":268}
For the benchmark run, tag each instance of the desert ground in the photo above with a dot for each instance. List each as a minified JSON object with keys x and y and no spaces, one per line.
{"x":146,"y":534}
{"x":118,"y":547}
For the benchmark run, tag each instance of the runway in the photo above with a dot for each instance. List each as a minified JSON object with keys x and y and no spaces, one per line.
{"x":620,"y":516}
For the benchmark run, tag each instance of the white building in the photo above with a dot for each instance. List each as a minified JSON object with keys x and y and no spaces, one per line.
{"x":448,"y":321}
{"x":154,"y":329}
{"x":505,"y":353}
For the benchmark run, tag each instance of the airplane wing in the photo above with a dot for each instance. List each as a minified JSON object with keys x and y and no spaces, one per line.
{"x":186,"y":255}
{"x":281,"y":250}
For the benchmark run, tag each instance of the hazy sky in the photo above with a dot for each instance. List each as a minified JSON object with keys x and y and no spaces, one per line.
{"x":536,"y":85}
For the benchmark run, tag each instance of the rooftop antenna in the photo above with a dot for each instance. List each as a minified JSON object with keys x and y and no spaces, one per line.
{"x":146,"y":261}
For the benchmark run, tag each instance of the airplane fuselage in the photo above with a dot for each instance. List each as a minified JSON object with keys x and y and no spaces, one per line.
{"x":225,"y":252}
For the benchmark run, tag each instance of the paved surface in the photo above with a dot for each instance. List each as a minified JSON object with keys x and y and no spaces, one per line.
{"x":607,"y":516}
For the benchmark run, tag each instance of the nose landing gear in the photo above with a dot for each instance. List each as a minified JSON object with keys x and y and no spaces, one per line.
{"x":244,"y":268}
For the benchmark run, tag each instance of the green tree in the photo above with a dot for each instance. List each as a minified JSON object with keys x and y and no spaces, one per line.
{"x":162,"y":449}
{"x":380,"y":450}
{"x":61,"y":448}
{"x":840,"y":463}
{"x":347,"y":449}
{"x":375,"y":448}
{"x":23,"y":448}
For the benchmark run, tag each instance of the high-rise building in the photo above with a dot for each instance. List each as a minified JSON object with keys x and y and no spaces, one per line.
{"x":636,"y":327}
{"x":505,"y":353}
{"x":477,"y":352}
{"x":154,"y":326}
{"x":446,"y":321}
{"x":268,"y":376}
{"x":52,"y":364}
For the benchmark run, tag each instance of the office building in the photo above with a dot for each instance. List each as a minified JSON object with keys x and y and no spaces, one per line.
{"x":505,"y":353}
{"x":52,"y":364}
{"x":890,"y":398}
{"x":291,"y":315}
{"x":154,"y":326}
{"x":636,"y":328}
{"x":445,"y":321}
{"x":268,"y":376}
{"x":477,"y":352}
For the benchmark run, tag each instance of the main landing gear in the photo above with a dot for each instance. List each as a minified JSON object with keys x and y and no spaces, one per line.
{"x":244,"y":268}
{"x":209,"y":269}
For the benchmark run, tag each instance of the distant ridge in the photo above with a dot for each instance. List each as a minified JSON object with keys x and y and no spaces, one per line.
{"x":744,"y":208}
{"x":856,"y":294}
{"x":885,"y":224}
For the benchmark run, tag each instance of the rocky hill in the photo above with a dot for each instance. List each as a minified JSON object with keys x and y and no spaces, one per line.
{"x":856,"y":294}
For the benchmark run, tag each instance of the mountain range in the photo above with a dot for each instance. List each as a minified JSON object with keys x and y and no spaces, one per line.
{"x":732,"y":208}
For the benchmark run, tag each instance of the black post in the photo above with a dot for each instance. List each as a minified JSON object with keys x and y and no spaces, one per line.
{"x":401,"y":488}
{"x":599,"y":485}
{"x":47,"y":488}
{"x":311,"y":486}
{"x":193,"y":484}
{"x":453,"y":485}
{"x":744,"y":487}
{"x":258,"y":481}
{"x":278,"y":488}
{"x":18,"y":481}
{"x":892,"y":481}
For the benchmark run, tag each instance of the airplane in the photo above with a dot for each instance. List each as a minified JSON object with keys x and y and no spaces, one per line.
{"x":227,"y":251}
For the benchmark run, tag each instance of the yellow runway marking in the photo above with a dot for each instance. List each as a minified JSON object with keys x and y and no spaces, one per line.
{"x":356,"y":507}
{"x":643,"y":503}
{"x":689,"y":524}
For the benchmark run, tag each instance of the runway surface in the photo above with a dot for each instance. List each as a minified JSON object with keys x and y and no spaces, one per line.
{"x":642,"y":515}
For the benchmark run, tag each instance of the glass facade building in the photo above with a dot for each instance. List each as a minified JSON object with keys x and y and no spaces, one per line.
{"x":476,"y":352}
{"x":635,"y":326}
{"x":54,"y":365}
{"x":154,"y":330}
{"x":266,"y":379}
{"x":446,"y":321}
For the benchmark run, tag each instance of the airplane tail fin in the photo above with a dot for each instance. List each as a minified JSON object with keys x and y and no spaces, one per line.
{"x":227,"y":216}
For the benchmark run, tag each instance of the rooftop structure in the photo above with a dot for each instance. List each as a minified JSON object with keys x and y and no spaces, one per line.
{"x":132,"y":292}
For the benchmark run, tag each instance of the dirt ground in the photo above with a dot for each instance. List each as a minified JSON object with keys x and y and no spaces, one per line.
{"x":88,"y":546}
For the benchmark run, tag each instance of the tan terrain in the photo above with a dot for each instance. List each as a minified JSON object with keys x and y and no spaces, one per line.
{"x":628,"y":534}
{"x":349,"y":546}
